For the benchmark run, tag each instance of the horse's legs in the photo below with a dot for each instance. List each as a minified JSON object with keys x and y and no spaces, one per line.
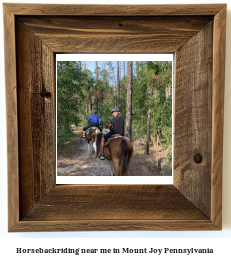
{"x":116,"y":164}
{"x":112,"y":169}
{"x":102,"y":145}
{"x":93,"y":146}
{"x":88,"y":144}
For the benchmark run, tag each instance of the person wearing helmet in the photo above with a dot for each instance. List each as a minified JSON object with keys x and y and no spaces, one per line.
{"x":116,"y":126}
{"x":93,"y":120}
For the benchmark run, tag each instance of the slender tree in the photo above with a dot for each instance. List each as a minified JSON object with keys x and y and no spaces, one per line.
{"x":96,"y":72}
{"x":128,"y":131}
{"x":111,"y":69}
{"x":96,"y":81}
{"x":148,"y":131}
{"x":118,"y":86}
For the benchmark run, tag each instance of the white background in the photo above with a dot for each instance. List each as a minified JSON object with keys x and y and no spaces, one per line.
{"x":114,"y":179}
{"x":220,"y":241}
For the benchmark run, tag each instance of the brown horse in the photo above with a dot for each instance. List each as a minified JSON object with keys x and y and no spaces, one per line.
{"x":119,"y":151}
{"x":91,"y":135}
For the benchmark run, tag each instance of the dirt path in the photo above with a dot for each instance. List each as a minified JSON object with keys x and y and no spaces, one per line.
{"x":75,"y":160}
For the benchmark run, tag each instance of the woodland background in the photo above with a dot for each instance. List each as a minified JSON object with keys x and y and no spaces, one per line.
{"x":141,"y":89}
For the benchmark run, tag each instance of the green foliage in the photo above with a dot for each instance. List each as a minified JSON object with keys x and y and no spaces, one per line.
{"x":78,"y":94}
{"x":106,"y":100}
{"x":153,"y":89}
{"x":69,"y":96}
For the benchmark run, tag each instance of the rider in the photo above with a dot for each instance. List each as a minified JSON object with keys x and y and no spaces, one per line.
{"x":93,"y":120}
{"x":116,"y":126}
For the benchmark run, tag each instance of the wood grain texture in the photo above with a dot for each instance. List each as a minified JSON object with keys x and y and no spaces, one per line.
{"x":36,"y":98}
{"x":114,"y":225}
{"x":114,"y":10}
{"x":111,"y":207}
{"x":113,"y":202}
{"x":218,"y":114}
{"x":193,"y":126}
{"x":112,"y":34}
{"x":12,"y":114}
{"x":194,"y":201}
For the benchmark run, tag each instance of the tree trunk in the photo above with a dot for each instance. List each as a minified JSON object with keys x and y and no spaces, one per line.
{"x":124,"y":68}
{"x":128,"y":130}
{"x":114,"y":80}
{"x":118,"y":86}
{"x":111,"y":68}
{"x":137,"y":70}
{"x":96,"y":81}
{"x":96,"y":72}
{"x":90,"y":106}
{"x":86,"y":108}
{"x":148,"y":132}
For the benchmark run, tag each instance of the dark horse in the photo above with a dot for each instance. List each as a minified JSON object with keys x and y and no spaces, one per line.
{"x":119,"y":150}
{"x":91,"y":136}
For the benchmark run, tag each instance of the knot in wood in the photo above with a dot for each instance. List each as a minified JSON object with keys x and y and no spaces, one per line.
{"x":198,"y":158}
{"x":45,"y":94}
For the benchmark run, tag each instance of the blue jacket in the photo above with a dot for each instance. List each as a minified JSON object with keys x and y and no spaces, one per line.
{"x":94,"y":118}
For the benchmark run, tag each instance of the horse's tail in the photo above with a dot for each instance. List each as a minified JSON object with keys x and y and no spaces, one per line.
{"x":124,"y":159}
{"x":98,"y":142}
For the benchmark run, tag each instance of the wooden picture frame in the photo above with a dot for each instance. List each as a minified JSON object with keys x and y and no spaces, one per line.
{"x":33,"y":34}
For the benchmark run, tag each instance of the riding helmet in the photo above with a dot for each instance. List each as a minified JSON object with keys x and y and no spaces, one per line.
{"x":115,"y":109}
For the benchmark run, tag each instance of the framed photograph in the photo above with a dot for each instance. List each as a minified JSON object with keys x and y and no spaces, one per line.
{"x":88,"y":87}
{"x":34,"y":34}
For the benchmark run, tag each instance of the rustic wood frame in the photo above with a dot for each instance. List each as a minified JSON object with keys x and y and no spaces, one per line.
{"x":33,"y":34}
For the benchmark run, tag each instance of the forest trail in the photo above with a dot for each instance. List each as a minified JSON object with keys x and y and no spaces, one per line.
{"x":75,"y":160}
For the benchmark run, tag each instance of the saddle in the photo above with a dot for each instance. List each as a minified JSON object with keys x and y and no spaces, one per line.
{"x":92,"y":127}
{"x":114,"y":136}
